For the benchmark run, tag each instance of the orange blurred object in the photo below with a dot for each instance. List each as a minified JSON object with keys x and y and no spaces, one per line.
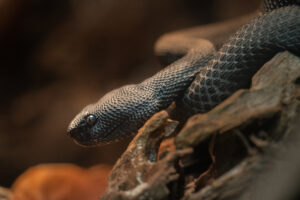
{"x":61,"y":182}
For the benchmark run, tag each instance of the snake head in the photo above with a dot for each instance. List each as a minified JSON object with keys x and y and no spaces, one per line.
{"x":118,"y":114}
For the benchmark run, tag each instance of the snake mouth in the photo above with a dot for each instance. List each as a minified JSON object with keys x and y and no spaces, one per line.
{"x":85,"y":137}
{"x":80,"y":136}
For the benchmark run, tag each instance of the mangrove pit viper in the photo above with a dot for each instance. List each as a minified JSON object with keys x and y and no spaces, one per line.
{"x":208,"y":72}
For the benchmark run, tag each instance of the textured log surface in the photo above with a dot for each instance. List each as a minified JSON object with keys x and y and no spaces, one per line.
{"x":233,"y":152}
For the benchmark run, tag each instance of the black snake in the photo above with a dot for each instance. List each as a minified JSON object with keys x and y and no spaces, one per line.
{"x":199,"y":81}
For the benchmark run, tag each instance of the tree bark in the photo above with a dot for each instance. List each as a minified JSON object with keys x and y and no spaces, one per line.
{"x":245,"y":148}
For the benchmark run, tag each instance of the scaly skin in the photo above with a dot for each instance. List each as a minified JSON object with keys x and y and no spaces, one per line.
{"x":245,"y":52}
{"x":199,"y":81}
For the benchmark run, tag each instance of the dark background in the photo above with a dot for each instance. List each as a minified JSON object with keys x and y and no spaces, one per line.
{"x":56,"y":56}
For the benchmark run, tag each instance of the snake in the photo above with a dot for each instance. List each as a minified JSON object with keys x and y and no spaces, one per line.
{"x":201,"y":73}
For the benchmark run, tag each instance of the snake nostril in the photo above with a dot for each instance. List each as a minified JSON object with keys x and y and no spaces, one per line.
{"x":69,"y":130}
{"x":72,"y":132}
{"x":80,"y":137}
{"x":76,"y":135}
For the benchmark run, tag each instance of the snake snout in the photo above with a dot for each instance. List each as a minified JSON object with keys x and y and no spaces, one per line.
{"x":80,"y":136}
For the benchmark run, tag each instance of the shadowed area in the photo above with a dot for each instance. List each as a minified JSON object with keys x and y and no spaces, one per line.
{"x":58,"y":56}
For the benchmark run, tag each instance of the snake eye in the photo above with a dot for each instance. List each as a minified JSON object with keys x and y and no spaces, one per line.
{"x":91,"y":119}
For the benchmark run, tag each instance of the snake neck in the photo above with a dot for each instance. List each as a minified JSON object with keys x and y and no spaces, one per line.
{"x":237,"y":61}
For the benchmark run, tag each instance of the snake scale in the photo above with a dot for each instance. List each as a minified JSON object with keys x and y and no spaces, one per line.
{"x":198,"y":81}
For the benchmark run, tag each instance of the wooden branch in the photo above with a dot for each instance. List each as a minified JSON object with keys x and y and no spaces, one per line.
{"x":237,"y":147}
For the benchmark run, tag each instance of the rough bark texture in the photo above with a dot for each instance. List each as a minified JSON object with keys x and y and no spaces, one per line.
{"x":245,"y":148}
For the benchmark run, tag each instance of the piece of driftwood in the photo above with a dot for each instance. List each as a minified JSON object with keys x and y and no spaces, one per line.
{"x":245,"y":148}
{"x":136,"y":174}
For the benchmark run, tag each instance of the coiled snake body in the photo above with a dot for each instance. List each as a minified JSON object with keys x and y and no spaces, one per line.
{"x":198,"y":81}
